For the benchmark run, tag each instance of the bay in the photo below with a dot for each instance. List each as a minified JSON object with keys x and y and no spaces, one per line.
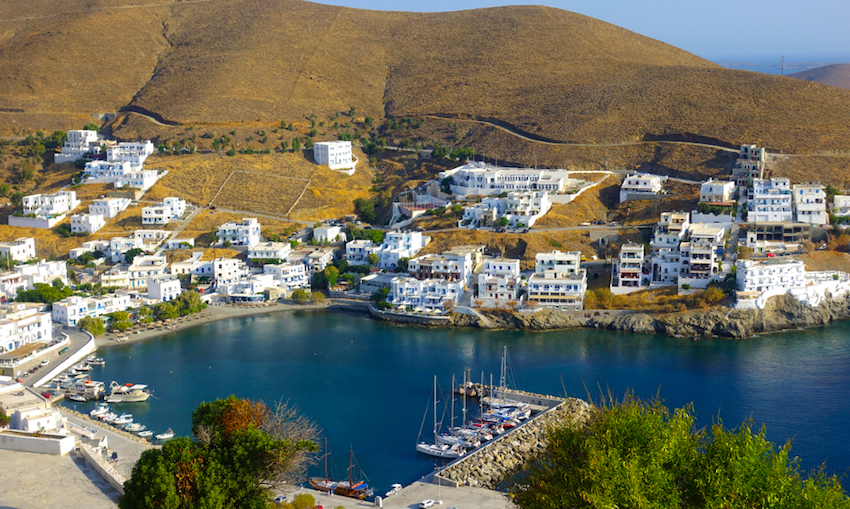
{"x":368,"y":383}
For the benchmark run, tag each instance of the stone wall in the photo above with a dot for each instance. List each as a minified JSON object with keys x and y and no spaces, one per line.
{"x":492,"y":463}
{"x":112,"y":476}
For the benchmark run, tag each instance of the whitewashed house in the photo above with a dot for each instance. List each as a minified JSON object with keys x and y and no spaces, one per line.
{"x":21,"y":325}
{"x":77,"y":144}
{"x":336,"y":155}
{"x":181,"y":243}
{"x":521,"y":209}
{"x":134,"y":153}
{"x":194,"y":266}
{"x":288,"y":276}
{"x":171,"y":208}
{"x":43,"y":272}
{"x":82,"y":223}
{"x":106,"y":172}
{"x":228,"y":270}
{"x":770,"y":275}
{"x":810,"y":203}
{"x":499,"y":283}
{"x":115,"y":278}
{"x":329,"y":234}
{"x":716,"y":191}
{"x":841,"y":205}
{"x":771,"y":200}
{"x":164,"y":288}
{"x":109,"y":207}
{"x":314,"y":258}
{"x":428,"y":294}
{"x":144,"y":268}
{"x":477,"y":178}
{"x":357,"y":251}
{"x":749,"y":167}
{"x":21,"y":250}
{"x":246,"y":233}
{"x":641,"y":186}
{"x":270,"y":251}
{"x":627,"y":274}
{"x":398,"y":245}
{"x":91,"y":246}
{"x":71,"y":310}
{"x":558,"y":280}
{"x":47,"y":205}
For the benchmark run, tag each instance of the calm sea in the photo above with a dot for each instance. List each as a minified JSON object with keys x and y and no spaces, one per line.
{"x":775,"y":65}
{"x":368,"y":384}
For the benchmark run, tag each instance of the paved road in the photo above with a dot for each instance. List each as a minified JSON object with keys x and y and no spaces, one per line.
{"x":128,"y":450}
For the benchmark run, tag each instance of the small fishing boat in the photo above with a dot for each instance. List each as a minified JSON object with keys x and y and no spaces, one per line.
{"x":135,"y":427}
{"x":168,"y":435}
{"x":108,"y":416}
{"x":122,"y":420}
{"x":101,"y":409}
{"x":77,"y":398}
{"x":146,"y":434}
{"x":95,"y":361}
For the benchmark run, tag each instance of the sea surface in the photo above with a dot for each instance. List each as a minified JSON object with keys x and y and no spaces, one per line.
{"x":368,"y":384}
{"x":775,"y":65}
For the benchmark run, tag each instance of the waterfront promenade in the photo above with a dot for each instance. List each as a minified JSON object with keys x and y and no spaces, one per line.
{"x":410,"y":496}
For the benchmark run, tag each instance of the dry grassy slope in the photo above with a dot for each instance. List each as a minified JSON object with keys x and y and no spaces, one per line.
{"x":836,"y":75}
{"x":551,"y":72}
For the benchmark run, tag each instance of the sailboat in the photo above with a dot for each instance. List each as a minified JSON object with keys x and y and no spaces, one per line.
{"x":436,"y":449}
{"x":501,"y":407}
{"x":323,"y":483}
{"x":451,"y":438}
{"x":350,"y":488}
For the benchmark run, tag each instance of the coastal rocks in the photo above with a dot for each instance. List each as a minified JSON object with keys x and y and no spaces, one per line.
{"x":490,"y":465}
{"x":782,"y":312}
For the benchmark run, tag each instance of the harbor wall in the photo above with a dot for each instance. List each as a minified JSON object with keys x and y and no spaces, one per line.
{"x":112,"y":476}
{"x":489,"y":465}
{"x":408,"y":318}
{"x":73,"y":358}
{"x":42,"y":443}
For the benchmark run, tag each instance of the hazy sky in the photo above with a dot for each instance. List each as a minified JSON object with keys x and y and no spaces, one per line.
{"x":712,"y":29}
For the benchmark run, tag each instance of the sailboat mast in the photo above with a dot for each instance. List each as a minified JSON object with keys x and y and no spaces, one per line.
{"x":351,"y":468}
{"x":326,"y":460}
{"x":453,"y":401}
{"x":465,"y":388}
{"x":504,"y":375}
{"x":435,"y":409}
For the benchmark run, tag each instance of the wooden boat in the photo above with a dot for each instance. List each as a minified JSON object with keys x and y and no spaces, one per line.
{"x":350,"y":488}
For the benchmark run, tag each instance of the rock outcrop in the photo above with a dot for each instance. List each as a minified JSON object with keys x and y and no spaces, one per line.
{"x":494,"y":462}
{"x":781,"y":313}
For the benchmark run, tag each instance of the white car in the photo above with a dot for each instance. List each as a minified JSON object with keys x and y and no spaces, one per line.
{"x":44,"y":363}
{"x":425,"y":504}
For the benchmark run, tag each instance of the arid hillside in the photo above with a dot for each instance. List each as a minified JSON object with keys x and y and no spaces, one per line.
{"x":550,"y":73}
{"x":837,"y":75}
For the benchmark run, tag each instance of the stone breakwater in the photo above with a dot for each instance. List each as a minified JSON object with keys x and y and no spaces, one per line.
{"x":492,"y":463}
{"x":781,"y":312}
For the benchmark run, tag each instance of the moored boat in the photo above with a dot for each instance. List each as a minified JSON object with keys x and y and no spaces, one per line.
{"x":134,"y":427}
{"x":101,"y":409}
{"x":77,"y":398}
{"x":146,"y":434}
{"x":168,"y":435}
{"x":128,"y":393}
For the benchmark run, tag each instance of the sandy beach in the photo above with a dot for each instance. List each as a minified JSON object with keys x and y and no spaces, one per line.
{"x":209,"y":315}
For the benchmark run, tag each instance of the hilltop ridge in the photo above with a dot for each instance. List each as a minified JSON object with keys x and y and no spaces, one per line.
{"x":547,"y":72}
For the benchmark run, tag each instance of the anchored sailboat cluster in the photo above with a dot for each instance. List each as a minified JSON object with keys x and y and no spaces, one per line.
{"x":347,"y":488}
{"x":502,"y":414}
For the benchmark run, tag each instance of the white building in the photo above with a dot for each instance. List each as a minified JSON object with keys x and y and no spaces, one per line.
{"x":336,"y":155}
{"x":443,"y":266}
{"x":749,"y":166}
{"x":288,"y":276}
{"x":43,"y":272}
{"x":119,"y":246}
{"x":194,"y":266}
{"x":770,"y":200}
{"x":54,"y":204}
{"x":91,"y":246}
{"x":115,"y":278}
{"x":81,"y":223}
{"x":181,"y":243}
{"x":21,"y":324}
{"x":357,"y":251}
{"x":552,"y":288}
{"x":21,"y":250}
{"x":228,"y":270}
{"x":716,"y":191}
{"x":270,"y":251}
{"x":477,"y":178}
{"x":376,"y":282}
{"x":77,"y":144}
{"x":429,"y":294}
{"x":810,"y":203}
{"x":641,"y":186}
{"x":164,"y":288}
{"x":71,"y":310}
{"x":134,"y":153}
{"x":314,"y":258}
{"x":119,"y":173}
{"x":627,"y":274}
{"x":398,"y":245}
{"x":841,"y":205}
{"x":521,"y":209}
{"x":499,"y":284}
{"x":568,"y":262}
{"x":41,"y":420}
{"x":246,"y":233}
{"x":109,"y":207}
{"x":770,"y":275}
{"x":144,"y":268}
{"x":329,"y":234}
{"x":171,"y":208}
{"x":670,"y":230}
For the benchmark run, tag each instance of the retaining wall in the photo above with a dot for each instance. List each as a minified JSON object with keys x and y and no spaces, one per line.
{"x":405,"y":318}
{"x":55,"y":444}
{"x":35,"y":222}
{"x":112,"y":476}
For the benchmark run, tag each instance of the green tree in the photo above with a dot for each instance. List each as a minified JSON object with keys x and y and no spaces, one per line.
{"x":4,"y":418}
{"x":17,"y":199}
{"x":402,"y":265}
{"x":365,"y":209}
{"x":296,"y":144}
{"x":241,"y":450}
{"x":331,"y":275}
{"x":44,"y":293}
{"x":317,"y":297}
{"x":373,"y":259}
{"x":131,"y":254}
{"x":120,"y":320}
{"x":4,"y":189}
{"x":640,"y":454}
{"x":503,"y":221}
{"x":94,"y":326}
{"x":167,"y":311}
{"x":189,"y":302}
{"x":380,"y":295}
{"x":300,"y":295}
{"x":91,"y":127}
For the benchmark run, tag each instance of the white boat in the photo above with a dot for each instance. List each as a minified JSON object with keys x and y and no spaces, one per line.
{"x":78,"y":398}
{"x":101,"y":409}
{"x":129,"y":393}
{"x":458,"y":441}
{"x":146,"y":434}
{"x":122,"y":420}
{"x":166,"y":436}
{"x":135,"y":427}
{"x":436,"y":449}
{"x":95,"y":361}
{"x":107,"y":416}
{"x":79,"y":368}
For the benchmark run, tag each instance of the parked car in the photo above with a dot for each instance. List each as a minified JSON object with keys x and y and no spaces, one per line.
{"x":425,"y":504}
{"x":46,"y":395}
{"x":45,"y":362}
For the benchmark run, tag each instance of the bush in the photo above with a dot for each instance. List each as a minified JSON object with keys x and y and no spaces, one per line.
{"x":300,"y":295}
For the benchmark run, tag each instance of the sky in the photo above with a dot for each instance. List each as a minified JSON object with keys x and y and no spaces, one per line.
{"x":756,"y":32}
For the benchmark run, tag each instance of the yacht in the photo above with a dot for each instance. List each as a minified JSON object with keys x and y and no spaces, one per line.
{"x":129,"y":393}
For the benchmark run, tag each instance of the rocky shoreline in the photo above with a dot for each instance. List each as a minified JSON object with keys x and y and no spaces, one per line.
{"x":781,"y":313}
{"x":490,"y":466}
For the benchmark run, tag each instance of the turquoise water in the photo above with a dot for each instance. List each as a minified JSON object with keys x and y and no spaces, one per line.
{"x":368,"y":383}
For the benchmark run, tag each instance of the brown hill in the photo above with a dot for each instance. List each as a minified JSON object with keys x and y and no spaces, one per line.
{"x":836,"y":75}
{"x":547,"y":72}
